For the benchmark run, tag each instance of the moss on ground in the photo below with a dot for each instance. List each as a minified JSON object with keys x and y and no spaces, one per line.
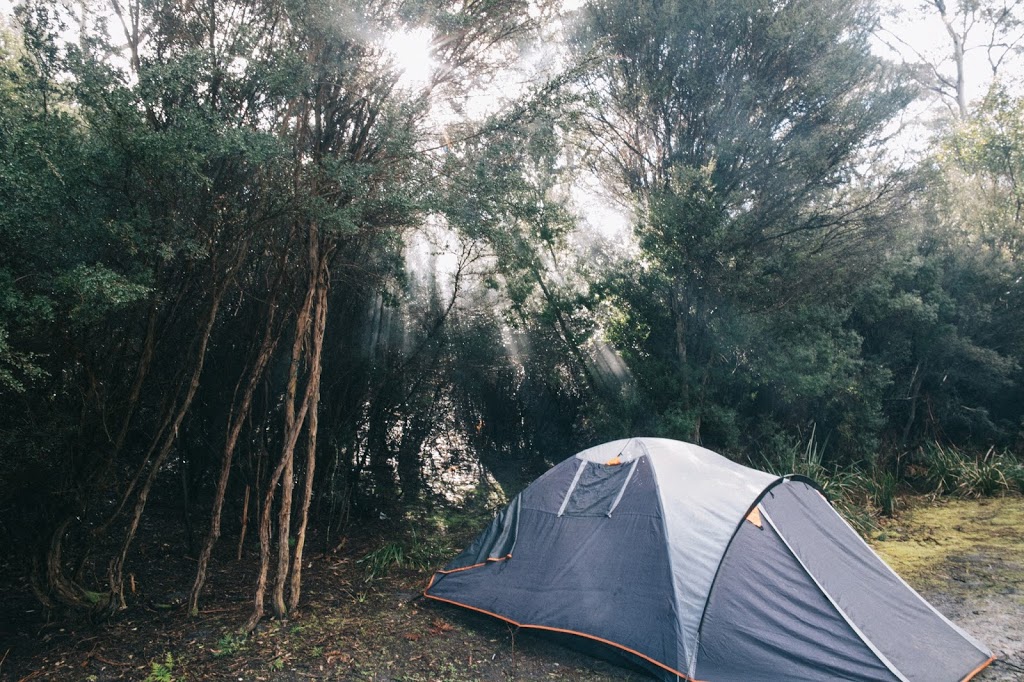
{"x":958,"y":546}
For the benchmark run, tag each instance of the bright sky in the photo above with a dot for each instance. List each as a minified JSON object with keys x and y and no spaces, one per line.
{"x":915,"y":35}
{"x":411,"y":52}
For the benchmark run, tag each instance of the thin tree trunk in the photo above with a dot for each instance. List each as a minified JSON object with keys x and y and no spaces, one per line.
{"x":116,"y":572}
{"x":293,"y":427}
{"x":567,"y":335}
{"x":316,"y":366}
{"x":245,"y":522}
{"x":235,"y":424}
{"x":293,"y":424}
{"x":958,"y":58}
{"x":915,"y":392}
{"x":284,"y":529}
{"x":186,"y":507}
{"x":57,"y":582}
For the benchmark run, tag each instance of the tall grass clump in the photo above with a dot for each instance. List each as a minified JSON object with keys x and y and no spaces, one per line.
{"x":950,"y":471}
{"x":846,"y":488}
{"x":883,"y":487}
{"x":415,"y":551}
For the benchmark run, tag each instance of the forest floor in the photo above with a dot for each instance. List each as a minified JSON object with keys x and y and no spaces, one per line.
{"x":966,"y":557}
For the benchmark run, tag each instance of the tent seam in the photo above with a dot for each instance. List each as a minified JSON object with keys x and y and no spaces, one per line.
{"x":572,"y":487}
{"x":622,"y":490}
{"x":970,"y":640}
{"x":728,"y":545}
{"x":849,"y":621}
{"x":671,"y":569}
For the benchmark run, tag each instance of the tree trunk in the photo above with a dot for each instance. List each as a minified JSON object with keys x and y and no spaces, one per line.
{"x":915,"y":392}
{"x":235,"y":423}
{"x":958,"y":58}
{"x":316,"y":365}
{"x":244,"y":522}
{"x":293,"y":425}
{"x":568,"y":337}
{"x":57,"y":582}
{"x":116,"y":572}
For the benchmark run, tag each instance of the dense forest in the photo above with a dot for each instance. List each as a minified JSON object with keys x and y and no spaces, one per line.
{"x":259,"y":281}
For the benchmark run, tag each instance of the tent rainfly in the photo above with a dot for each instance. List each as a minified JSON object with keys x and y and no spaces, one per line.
{"x":697,"y":568}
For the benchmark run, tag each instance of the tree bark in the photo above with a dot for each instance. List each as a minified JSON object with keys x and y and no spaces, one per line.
{"x":244,"y":522}
{"x":958,"y":57}
{"x":915,"y":392}
{"x":235,"y":423}
{"x":293,"y":425}
{"x":316,"y":365}
{"x":57,"y":583}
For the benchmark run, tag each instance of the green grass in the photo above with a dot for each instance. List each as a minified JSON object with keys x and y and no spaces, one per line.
{"x":951,"y":471}
{"x":862,"y":495}
{"x":416,"y":551}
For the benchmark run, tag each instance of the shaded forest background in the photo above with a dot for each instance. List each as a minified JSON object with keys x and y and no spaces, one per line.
{"x":253,"y":277}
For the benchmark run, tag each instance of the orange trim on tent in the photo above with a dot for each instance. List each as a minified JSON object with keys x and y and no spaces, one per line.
{"x":754,"y":517}
{"x":466,"y":568}
{"x":614,"y":461}
{"x":970,"y":676}
{"x":554,"y":629}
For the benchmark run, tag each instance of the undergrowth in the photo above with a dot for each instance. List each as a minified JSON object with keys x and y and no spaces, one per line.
{"x":862,"y":493}
{"x":414,"y":550}
{"x":950,"y":471}
{"x":161,"y":671}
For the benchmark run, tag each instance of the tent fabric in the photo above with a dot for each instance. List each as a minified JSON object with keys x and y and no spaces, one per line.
{"x":600,"y":561}
{"x":702,"y":496}
{"x":494,"y":544}
{"x":906,"y":630}
{"x":644,"y":545}
{"x":767,"y":611}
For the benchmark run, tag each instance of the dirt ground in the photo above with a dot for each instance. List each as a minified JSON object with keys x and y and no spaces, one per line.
{"x":967,"y":557}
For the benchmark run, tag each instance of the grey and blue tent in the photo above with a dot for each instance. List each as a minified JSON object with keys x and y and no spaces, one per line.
{"x":698,"y":568}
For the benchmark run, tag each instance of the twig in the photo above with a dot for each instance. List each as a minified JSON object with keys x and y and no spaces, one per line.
{"x":101,"y":659}
{"x":4,"y":659}
{"x":512,"y":632}
{"x":31,"y":676}
{"x":1005,"y":663}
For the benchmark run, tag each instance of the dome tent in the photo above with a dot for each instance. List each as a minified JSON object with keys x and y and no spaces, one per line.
{"x":699,"y":568}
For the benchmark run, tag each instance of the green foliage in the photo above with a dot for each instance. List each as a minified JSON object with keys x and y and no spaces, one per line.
{"x":951,"y":471}
{"x":230,"y":644}
{"x":734,"y":317}
{"x":782,"y":278}
{"x":416,"y":551}
{"x":161,"y":671}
